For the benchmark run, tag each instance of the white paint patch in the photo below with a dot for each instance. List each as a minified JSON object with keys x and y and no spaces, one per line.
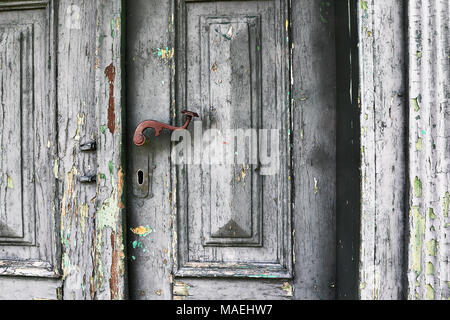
{"x":73,"y":18}
{"x":316,"y":186}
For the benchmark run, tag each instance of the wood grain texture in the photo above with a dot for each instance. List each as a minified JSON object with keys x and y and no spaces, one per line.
{"x":314,"y":148}
{"x":382,"y":97}
{"x":110,"y":214}
{"x":76,"y":123}
{"x":150,"y":72}
{"x":429,"y":150}
{"x":28,"y":245}
{"x":29,"y":289}
{"x":232,"y":289}
{"x":89,"y":96}
{"x":236,"y":82}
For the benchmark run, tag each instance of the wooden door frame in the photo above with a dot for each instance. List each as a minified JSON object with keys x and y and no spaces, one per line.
{"x":404,"y":80}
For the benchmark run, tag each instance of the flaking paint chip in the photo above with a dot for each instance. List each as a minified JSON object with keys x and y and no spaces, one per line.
{"x":9,"y":183}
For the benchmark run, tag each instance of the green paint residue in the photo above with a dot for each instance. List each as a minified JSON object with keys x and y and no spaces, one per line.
{"x":432,"y":248}
{"x":100,"y":40}
{"x":364,"y":5}
{"x":446,"y":204}
{"x":80,"y":122}
{"x":417,"y":187}
{"x":288,"y":288}
{"x":416,"y":103}
{"x":430,"y":268}
{"x":106,"y":214}
{"x":66,"y":265}
{"x":324,"y":11}
{"x":419,"y":144}
{"x":112,"y":28}
{"x":111,"y":168}
{"x":9,"y":183}
{"x":265,"y":276}
{"x":430,"y":292}
{"x":431,"y":214}
{"x":419,"y":231}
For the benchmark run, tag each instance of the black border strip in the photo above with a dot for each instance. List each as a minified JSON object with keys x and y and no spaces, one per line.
{"x":348,"y":160}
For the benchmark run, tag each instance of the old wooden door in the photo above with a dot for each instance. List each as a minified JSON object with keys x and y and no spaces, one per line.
{"x":205,"y":230}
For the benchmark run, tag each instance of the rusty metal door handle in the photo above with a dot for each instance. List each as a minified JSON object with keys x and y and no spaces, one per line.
{"x":139,"y":137}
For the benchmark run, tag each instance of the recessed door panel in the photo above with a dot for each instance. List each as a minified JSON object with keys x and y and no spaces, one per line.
{"x":28,"y":132}
{"x":233,"y":220}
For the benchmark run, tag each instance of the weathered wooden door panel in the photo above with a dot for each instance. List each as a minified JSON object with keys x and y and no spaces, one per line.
{"x":208,"y":229}
{"x":234,"y":219}
{"x":28,"y":130}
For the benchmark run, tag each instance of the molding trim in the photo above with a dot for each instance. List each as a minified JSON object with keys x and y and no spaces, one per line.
{"x":382,"y":60}
{"x":23,"y":5}
{"x":429,"y":149}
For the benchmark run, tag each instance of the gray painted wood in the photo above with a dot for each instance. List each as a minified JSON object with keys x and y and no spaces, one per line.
{"x":27,"y":183}
{"x":383,"y":153}
{"x":404,"y":124}
{"x":76,"y":102}
{"x":314,"y":150}
{"x":429,"y":128}
{"x":153,"y":94}
{"x":235,"y":82}
{"x":89,"y":106}
{"x":232,"y":289}
{"x":16,"y":288}
{"x":150,"y":67}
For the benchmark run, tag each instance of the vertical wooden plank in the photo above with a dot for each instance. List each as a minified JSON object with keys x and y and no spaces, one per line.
{"x":90,"y":108}
{"x":76,"y":124}
{"x":314,"y":148}
{"x":109,"y":250}
{"x":150,"y":91}
{"x":429,"y":149}
{"x":383,"y":152}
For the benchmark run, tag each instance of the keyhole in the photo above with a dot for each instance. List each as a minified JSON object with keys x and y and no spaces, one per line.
{"x":140,"y":176}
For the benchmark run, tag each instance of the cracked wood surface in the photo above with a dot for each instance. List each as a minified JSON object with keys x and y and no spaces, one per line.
{"x":405,"y":141}
{"x":429,"y":150}
{"x":89,"y":104}
{"x":383,"y":152}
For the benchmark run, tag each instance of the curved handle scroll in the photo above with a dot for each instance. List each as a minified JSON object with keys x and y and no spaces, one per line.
{"x":139,"y":137}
